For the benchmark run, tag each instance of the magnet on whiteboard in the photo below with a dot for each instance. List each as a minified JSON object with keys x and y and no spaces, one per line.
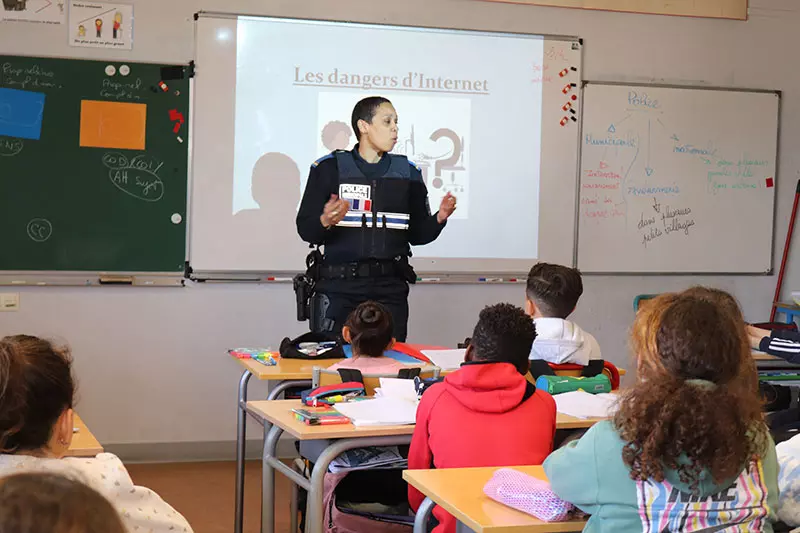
{"x":564,"y":121}
{"x":567,"y":106}
{"x":111,"y":70}
{"x":124,"y":70}
{"x":176,"y":218}
{"x":567,"y":88}
{"x":564,"y":72}
{"x":180,"y":139}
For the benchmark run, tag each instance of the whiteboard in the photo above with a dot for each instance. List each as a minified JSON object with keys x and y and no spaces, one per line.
{"x":262,"y":107}
{"x":677,"y":179}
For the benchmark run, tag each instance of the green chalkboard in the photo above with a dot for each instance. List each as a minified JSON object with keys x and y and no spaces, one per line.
{"x":93,"y":165}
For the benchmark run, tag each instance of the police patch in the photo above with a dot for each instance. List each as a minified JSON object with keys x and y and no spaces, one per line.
{"x":358,"y":196}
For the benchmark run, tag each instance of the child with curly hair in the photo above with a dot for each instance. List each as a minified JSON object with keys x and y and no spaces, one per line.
{"x":688,"y":449}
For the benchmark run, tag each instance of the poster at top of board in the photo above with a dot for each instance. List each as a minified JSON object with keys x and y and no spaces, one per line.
{"x":101,"y":25}
{"x":38,"y":11}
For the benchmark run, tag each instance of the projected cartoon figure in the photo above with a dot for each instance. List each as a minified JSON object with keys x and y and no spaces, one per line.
{"x":117,"y":24}
{"x":98,"y":24}
{"x":276,"y":189}
{"x":336,"y":135}
{"x":81,"y":31}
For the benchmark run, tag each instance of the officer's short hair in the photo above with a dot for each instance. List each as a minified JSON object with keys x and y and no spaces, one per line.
{"x":365,"y":110}
{"x":555,"y":289}
{"x":503,"y":334}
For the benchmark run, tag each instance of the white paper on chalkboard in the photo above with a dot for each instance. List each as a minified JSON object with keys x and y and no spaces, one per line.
{"x":677,"y":180}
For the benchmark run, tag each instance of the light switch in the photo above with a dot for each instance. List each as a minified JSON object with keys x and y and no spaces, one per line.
{"x":9,"y":301}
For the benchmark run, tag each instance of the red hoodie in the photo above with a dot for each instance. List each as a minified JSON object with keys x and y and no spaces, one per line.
{"x":484,"y":414}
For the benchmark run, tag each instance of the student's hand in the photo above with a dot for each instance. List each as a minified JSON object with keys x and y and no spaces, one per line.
{"x":446,"y":208}
{"x":758,"y":332}
{"x":334,"y":211}
{"x":755,"y":335}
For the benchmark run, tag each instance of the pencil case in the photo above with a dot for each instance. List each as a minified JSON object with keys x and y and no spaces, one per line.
{"x":527,"y":494}
{"x":331,"y":394}
{"x":558,"y":384}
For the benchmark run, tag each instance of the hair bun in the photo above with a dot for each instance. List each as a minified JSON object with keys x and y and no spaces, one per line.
{"x":370,"y":315}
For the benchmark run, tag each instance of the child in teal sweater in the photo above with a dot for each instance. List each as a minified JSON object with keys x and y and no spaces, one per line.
{"x":688,"y":449}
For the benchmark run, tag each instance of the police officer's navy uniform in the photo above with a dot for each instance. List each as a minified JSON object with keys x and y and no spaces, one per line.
{"x":366,"y":254}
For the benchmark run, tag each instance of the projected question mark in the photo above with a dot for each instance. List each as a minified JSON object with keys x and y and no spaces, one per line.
{"x":450,"y":161}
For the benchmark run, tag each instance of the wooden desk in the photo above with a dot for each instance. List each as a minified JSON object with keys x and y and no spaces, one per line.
{"x":343,"y":437}
{"x":84,"y":444}
{"x":761,"y":356}
{"x":460,"y":492}
{"x":285,"y":369}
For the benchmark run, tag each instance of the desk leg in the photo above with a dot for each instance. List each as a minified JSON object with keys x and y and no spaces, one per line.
{"x":315,"y":513}
{"x":241,"y":425}
{"x":423,"y":515}
{"x":461,"y":528}
{"x":268,"y":480}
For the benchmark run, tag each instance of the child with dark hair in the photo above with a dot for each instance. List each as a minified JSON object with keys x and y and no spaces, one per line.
{"x":688,"y":449}
{"x":39,"y":503}
{"x":368,"y":330}
{"x":36,"y":399}
{"x":551,"y":294}
{"x":486,"y":413}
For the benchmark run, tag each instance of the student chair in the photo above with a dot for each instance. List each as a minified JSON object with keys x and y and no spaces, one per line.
{"x":322,"y":376}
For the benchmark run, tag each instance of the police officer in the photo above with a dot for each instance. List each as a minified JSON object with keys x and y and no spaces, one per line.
{"x":366,"y":206}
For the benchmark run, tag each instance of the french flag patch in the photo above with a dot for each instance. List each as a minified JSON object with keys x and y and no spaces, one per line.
{"x":360,"y":204}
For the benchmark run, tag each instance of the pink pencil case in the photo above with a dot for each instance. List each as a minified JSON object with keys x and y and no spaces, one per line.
{"x":527,"y":494}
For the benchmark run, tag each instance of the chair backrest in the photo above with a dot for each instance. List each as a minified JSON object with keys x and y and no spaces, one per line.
{"x":641,"y":300}
{"x":323,"y":376}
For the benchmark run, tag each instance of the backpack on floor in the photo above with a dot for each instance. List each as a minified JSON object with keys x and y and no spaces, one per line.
{"x":360,"y":501}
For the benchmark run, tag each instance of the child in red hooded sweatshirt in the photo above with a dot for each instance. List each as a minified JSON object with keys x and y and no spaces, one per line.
{"x":486,"y":413}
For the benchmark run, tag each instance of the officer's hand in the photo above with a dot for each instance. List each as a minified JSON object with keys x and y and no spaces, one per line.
{"x":334,"y":211}
{"x":446,"y":208}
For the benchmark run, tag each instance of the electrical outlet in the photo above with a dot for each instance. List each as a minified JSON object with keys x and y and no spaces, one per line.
{"x":9,"y":301}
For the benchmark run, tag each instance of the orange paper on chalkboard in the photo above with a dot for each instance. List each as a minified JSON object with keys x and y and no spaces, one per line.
{"x":113,"y":125}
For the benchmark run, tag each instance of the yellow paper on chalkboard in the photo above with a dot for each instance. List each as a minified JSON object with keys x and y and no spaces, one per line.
{"x":113,"y":125}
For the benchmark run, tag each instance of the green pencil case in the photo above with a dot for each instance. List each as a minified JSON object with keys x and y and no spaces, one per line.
{"x":558,"y":384}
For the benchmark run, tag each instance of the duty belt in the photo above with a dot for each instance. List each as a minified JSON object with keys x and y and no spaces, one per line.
{"x":362,"y":269}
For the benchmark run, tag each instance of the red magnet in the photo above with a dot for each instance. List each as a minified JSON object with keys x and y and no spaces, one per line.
{"x":564,"y":121}
{"x":567,"y":106}
{"x":163,"y":86}
{"x":176,"y":117}
{"x":564,"y":72}
{"x":770,"y":183}
{"x":567,"y":88}
{"x":574,"y":97}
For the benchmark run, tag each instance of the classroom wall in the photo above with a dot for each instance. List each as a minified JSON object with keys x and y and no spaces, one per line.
{"x":151,"y":361}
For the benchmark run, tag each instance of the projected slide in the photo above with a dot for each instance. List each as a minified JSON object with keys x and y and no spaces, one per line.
{"x":433,"y":134}
{"x":469,"y":108}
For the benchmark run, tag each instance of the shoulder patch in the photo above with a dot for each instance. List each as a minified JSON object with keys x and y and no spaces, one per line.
{"x":413,"y":164}
{"x":321,"y":159}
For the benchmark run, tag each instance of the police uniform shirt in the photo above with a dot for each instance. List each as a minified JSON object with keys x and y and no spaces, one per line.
{"x":389,"y":207}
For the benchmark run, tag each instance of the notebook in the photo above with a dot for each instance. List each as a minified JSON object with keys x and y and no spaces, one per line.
{"x":581,"y":404}
{"x":380,"y":411}
{"x":446,"y":359}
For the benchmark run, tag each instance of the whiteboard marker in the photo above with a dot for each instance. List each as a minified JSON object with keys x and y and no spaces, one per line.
{"x":429,"y":279}
{"x":490,"y":280}
{"x":18,"y":282}
{"x":278,"y":279}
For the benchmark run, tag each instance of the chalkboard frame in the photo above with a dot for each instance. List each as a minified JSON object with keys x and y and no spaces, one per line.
{"x":154,"y":79}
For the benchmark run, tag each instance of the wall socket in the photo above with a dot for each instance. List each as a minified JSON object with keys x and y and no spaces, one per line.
{"x":9,"y":301}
